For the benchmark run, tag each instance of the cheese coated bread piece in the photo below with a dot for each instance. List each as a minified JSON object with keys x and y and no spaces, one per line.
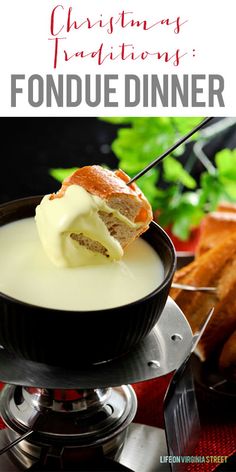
{"x":94,"y":215}
{"x":112,"y":187}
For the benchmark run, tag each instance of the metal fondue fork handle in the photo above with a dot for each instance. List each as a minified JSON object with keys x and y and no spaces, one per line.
{"x":21,"y":438}
{"x":168,"y":151}
{"x":193,"y":288}
{"x":14,"y":443}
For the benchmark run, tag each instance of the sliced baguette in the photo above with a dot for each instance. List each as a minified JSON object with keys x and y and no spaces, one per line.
{"x":216,"y":268}
{"x":216,"y":227}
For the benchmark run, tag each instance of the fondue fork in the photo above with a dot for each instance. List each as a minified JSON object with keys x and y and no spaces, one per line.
{"x":193,"y":288}
{"x":168,"y":151}
{"x":14,"y":443}
{"x":22,"y":437}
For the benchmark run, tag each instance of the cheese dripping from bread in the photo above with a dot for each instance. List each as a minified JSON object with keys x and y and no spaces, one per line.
{"x":92,"y":218}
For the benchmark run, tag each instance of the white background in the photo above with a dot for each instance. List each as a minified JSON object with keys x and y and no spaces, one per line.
{"x":25,"y":49}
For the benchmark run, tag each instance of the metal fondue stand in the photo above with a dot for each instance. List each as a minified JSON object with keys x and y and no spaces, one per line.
{"x":83,"y":417}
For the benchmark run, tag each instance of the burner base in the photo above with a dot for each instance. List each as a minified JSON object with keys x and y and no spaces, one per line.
{"x":141,"y":453}
{"x":66,"y":427}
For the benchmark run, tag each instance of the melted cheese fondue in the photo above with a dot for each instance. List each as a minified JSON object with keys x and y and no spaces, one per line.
{"x":76,"y":212}
{"x":28,"y":275}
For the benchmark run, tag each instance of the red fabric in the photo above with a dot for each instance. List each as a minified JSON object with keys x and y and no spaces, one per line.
{"x":189,"y":245}
{"x":217,"y":438}
{"x":150,"y":396}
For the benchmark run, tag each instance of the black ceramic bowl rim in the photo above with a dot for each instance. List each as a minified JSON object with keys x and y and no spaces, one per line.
{"x":150,"y":295}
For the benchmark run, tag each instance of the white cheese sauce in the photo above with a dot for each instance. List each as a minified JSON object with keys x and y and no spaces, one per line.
{"x":76,"y":212}
{"x":28,"y":275}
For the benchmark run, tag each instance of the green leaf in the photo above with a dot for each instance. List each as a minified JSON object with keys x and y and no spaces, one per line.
{"x":116,"y":120}
{"x":226,"y":163}
{"x":175,"y":172}
{"x":212,"y":191}
{"x":182,"y":210}
{"x":61,"y":174}
{"x":181,"y":228}
{"x":229,"y":189}
{"x":191,"y":198}
{"x":184,"y":124}
{"x":187,"y":216}
{"x":147,"y":184}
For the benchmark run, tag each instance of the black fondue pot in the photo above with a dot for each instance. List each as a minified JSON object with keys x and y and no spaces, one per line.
{"x":62,"y":337}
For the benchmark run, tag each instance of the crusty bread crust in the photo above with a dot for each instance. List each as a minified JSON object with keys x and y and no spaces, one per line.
{"x":99,"y":181}
{"x":227,"y":206}
{"x":216,"y":226}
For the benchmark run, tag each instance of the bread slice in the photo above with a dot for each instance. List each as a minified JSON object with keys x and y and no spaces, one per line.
{"x":121,"y":200}
{"x":216,"y":268}
{"x":227,"y":206}
{"x":216,"y":227}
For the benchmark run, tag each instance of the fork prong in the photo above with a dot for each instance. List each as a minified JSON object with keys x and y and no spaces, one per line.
{"x":193,"y":288}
